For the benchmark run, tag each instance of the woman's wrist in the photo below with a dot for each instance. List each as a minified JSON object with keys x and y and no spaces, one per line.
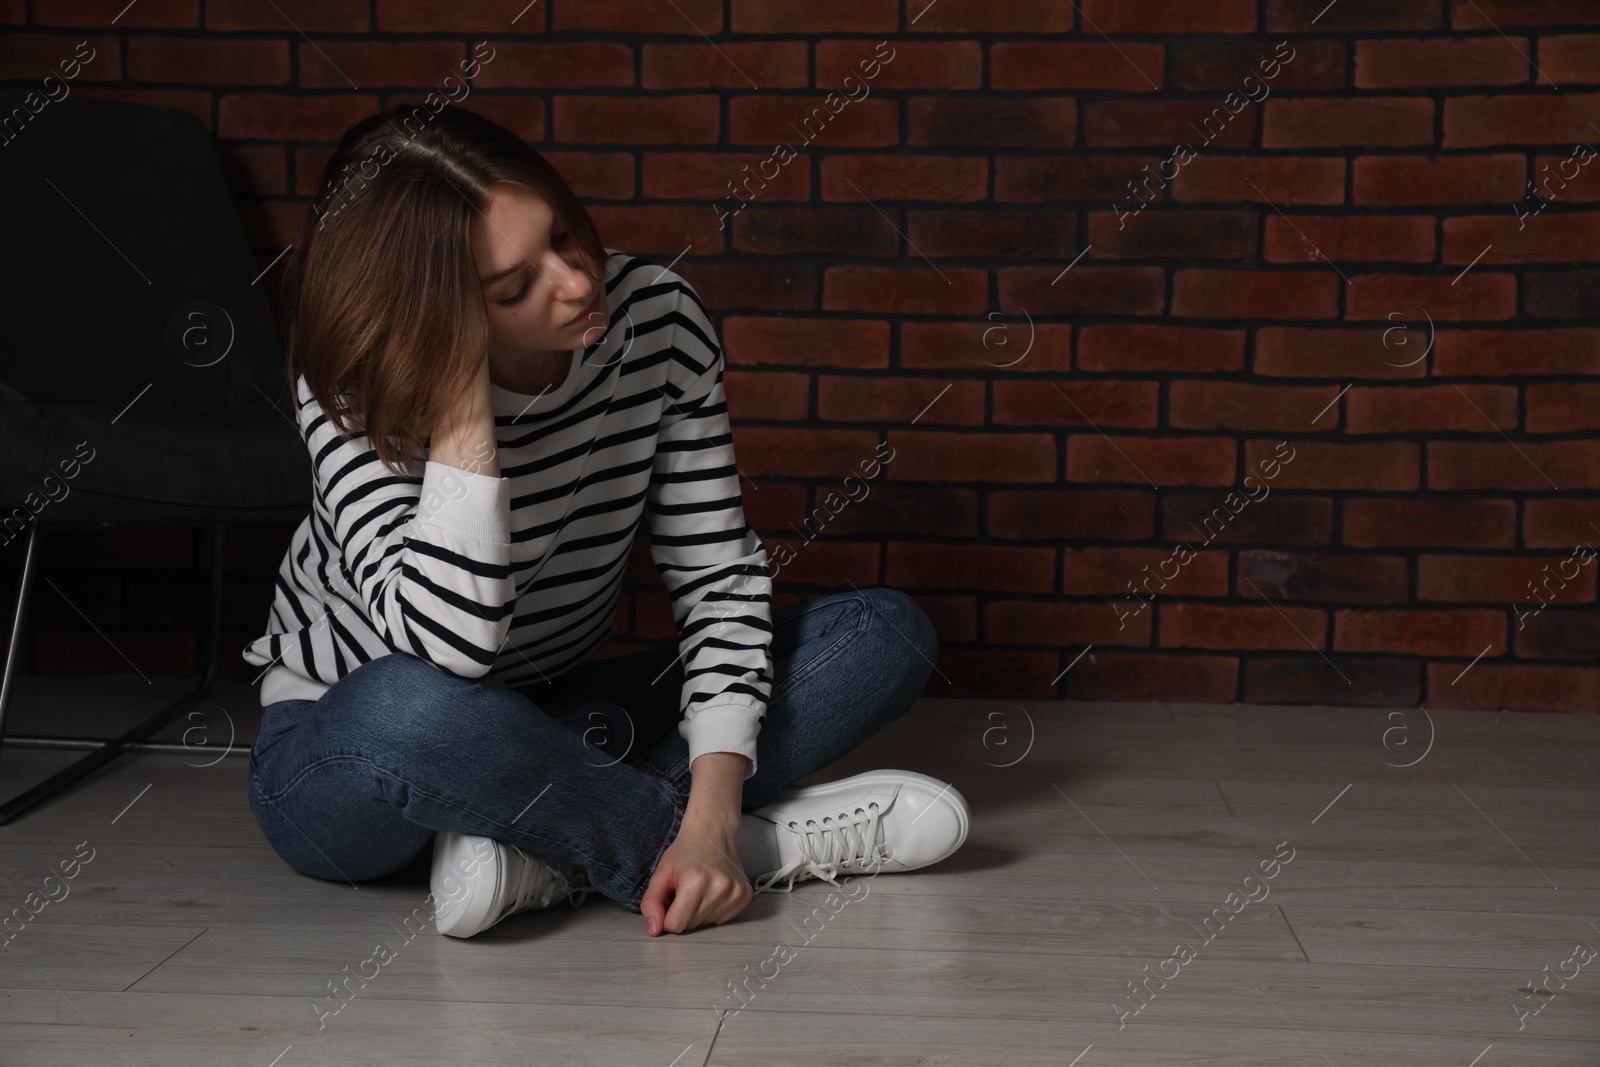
{"x":716,"y":789}
{"x":466,"y":437}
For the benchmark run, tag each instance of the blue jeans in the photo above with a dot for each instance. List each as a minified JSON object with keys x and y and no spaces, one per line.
{"x":589,"y":768}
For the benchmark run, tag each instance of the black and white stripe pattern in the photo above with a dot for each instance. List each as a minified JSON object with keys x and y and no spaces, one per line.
{"x":518,"y":577}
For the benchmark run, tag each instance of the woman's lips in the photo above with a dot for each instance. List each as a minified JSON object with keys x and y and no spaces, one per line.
{"x":594,"y":306}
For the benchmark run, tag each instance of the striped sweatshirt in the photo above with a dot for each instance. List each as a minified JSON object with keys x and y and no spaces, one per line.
{"x":518,"y":577}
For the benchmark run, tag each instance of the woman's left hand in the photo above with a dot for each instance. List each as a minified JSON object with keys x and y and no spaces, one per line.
{"x":700,"y":879}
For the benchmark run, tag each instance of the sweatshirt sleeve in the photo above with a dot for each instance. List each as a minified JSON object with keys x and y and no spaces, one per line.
{"x":430,"y":558}
{"x":711,"y":561}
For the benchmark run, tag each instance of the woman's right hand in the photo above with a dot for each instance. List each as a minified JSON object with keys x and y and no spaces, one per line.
{"x":465,"y":437}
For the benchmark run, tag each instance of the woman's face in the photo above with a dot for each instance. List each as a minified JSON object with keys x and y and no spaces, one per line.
{"x":539,"y":297}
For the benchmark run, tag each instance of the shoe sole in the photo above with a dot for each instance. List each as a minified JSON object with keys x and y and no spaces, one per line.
{"x":475,"y":911}
{"x":856,"y":784}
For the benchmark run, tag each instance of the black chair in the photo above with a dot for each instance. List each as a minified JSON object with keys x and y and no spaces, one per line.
{"x":143,"y":378}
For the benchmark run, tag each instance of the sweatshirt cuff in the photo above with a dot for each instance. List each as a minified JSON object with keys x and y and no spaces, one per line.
{"x":723,"y":728}
{"x":469,"y":504}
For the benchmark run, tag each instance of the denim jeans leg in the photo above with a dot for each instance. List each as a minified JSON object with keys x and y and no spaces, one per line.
{"x":844,"y":667}
{"x":353,"y":785}
{"x":625,"y":706}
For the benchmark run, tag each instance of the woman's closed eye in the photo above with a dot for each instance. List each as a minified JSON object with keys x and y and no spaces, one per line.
{"x":517,"y":298}
{"x":521,"y":294}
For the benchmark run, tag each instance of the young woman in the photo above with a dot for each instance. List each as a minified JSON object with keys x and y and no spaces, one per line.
{"x":493,"y":401}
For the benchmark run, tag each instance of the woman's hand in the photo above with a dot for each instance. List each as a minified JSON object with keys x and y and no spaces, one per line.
{"x":465,"y":437}
{"x":700,"y":879}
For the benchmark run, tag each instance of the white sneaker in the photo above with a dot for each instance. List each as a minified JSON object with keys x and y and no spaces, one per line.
{"x":878,"y":821}
{"x":477,"y":881}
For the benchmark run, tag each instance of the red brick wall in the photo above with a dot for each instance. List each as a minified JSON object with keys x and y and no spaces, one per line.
{"x":1078,"y":340}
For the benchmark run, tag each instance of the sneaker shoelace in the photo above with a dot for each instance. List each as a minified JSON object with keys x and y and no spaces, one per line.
{"x":849,"y":841}
{"x":540,"y":881}
{"x":578,"y":886}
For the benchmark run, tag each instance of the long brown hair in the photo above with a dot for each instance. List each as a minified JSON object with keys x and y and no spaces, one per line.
{"x":384,"y":311}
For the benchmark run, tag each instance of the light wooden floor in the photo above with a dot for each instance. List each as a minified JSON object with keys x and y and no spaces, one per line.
{"x":1419,"y":901}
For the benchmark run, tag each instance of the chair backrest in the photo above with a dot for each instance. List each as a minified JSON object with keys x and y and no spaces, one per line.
{"x":125,"y":263}
{"x":132,"y":291}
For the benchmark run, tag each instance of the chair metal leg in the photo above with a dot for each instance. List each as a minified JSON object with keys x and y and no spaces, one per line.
{"x":110,"y":748}
{"x":14,"y":646}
